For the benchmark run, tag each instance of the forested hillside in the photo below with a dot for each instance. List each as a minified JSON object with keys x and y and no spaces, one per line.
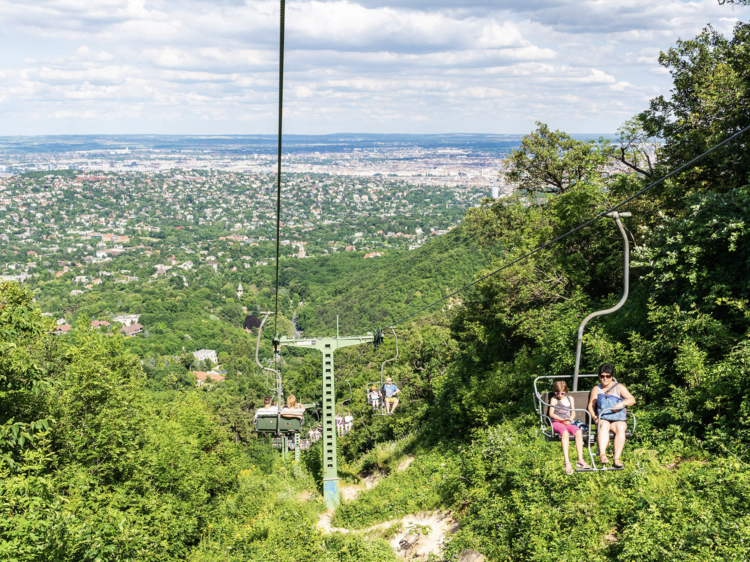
{"x":107,"y":458}
{"x":378,"y":297}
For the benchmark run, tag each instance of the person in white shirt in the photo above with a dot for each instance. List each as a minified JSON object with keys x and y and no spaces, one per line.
{"x":267,"y":407}
{"x":374,"y":397}
{"x":339,"y":425}
{"x":348,"y":422}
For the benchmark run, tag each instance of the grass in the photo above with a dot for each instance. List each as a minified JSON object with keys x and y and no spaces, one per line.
{"x":419,"y":488}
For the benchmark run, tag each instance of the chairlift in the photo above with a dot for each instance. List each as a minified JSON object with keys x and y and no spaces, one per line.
{"x":276,"y":423}
{"x":368,"y":387}
{"x":542,"y":399}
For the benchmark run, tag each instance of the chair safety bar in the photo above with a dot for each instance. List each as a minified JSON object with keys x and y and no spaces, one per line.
{"x":537,"y":395}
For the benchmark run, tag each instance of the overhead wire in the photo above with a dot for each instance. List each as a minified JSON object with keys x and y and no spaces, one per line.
{"x":282,"y":11}
{"x":576,"y":229}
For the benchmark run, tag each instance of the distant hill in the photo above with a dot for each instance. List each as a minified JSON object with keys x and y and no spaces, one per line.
{"x":378,"y":296}
{"x":61,"y":173}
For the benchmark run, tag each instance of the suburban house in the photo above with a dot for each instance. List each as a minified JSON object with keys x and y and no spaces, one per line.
{"x":61,"y":329}
{"x":100,"y":323}
{"x":207,"y":377}
{"x":203,"y":354}
{"x":127,"y":319}
{"x":132,"y":330}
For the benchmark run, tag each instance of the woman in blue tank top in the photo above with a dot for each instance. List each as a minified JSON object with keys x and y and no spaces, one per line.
{"x":607,"y":406}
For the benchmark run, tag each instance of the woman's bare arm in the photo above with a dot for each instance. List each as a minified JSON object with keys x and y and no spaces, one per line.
{"x":592,"y":403}
{"x":627,"y":398}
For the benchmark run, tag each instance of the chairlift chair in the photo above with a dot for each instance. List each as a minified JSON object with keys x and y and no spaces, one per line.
{"x":278,"y":423}
{"x":542,"y":399}
{"x":379,"y":339}
{"x":381,"y":400}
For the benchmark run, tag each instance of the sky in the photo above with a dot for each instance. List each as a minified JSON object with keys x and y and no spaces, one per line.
{"x":210,"y":67}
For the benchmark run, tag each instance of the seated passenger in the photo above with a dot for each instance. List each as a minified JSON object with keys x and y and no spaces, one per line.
{"x":292,"y":404}
{"x":268,"y":407}
{"x":374,"y":397}
{"x":563,"y":417}
{"x":294,"y":409}
{"x":613,"y":397}
{"x":390,"y":391}
{"x":339,"y":425}
{"x":348,"y":422}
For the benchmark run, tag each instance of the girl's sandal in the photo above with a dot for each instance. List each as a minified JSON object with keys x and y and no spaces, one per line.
{"x":583,"y":465}
{"x":568,"y":468}
{"x":603,"y":459}
{"x":618,"y":464}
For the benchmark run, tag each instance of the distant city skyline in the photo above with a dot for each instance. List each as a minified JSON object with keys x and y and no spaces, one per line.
{"x":360,"y":66}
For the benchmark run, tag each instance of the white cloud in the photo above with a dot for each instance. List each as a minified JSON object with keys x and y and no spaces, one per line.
{"x":367,"y":65}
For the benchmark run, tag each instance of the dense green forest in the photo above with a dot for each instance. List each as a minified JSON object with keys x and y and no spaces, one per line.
{"x":380,"y":296}
{"x":109,"y":451}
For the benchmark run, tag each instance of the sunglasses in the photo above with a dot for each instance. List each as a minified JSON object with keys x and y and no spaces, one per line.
{"x":605,"y":376}
{"x":561,"y":393}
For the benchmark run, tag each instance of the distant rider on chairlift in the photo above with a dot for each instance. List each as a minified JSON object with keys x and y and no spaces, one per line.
{"x":374,"y":396}
{"x":390,"y":391}
{"x":267,"y":407}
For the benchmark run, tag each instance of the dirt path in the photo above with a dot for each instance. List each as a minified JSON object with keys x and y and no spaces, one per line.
{"x":350,"y":493}
{"x":422,"y":534}
{"x":419,"y":535}
{"x":406,"y":462}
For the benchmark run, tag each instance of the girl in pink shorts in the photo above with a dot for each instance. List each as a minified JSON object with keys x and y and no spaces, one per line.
{"x":562,"y":415}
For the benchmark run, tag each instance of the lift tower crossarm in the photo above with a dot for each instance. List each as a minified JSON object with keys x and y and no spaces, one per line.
{"x":327,"y":346}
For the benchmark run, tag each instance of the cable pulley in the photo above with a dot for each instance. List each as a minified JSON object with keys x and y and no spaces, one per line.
{"x":378,"y":337}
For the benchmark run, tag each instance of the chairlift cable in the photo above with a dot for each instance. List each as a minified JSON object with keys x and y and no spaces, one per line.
{"x":278,"y":171}
{"x":580,"y":227}
{"x":382,"y":366}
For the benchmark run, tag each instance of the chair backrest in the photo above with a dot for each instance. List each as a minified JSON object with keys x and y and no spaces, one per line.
{"x":581,"y":400}
{"x":272,"y":424}
{"x":289,"y":413}
{"x":267,"y":413}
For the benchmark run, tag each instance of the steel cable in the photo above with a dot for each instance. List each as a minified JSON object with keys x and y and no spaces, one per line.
{"x":282,"y":11}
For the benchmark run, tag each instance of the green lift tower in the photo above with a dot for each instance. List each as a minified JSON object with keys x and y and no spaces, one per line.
{"x":327,"y":346}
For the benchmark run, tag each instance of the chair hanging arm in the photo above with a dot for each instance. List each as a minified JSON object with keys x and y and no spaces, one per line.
{"x":626,"y":289}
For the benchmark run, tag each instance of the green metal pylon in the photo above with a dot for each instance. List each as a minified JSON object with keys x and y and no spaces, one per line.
{"x":296,"y":447}
{"x":327,"y":346}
